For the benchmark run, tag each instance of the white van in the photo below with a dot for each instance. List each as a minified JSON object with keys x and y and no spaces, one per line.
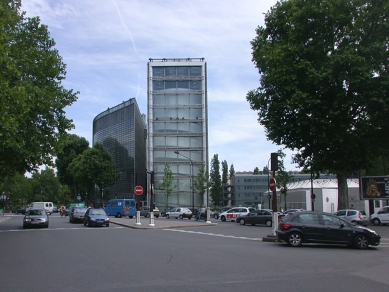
{"x":48,"y":206}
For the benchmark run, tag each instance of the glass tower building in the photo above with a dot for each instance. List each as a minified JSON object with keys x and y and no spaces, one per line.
{"x":122,"y":131}
{"x":177,"y":127}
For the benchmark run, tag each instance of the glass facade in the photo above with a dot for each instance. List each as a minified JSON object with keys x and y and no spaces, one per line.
{"x":121,"y":130}
{"x":177,"y":122}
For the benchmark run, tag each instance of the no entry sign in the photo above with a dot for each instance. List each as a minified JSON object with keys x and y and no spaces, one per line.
{"x":138,"y":190}
{"x":272,"y":184}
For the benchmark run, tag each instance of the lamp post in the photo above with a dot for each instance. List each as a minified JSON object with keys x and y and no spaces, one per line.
{"x":191,"y":176}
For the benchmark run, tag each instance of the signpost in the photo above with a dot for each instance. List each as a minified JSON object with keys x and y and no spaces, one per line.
{"x":138,"y":190}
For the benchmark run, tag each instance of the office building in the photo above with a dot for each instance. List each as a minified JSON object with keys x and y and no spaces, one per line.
{"x":122,"y":131}
{"x":177,"y":127}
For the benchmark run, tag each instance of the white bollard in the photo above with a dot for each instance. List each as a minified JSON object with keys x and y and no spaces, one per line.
{"x":151,"y":219}
{"x":138,"y":218}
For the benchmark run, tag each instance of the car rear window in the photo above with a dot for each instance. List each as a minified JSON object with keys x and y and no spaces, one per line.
{"x":363,"y":213}
{"x":351,"y":213}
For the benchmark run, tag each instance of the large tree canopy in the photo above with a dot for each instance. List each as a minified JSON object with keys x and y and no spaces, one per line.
{"x":324,"y":82}
{"x":32,"y":100}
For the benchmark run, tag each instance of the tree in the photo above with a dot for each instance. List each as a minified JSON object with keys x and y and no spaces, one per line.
{"x":75,"y":146}
{"x":94,"y":167}
{"x":167,"y":183}
{"x":216,"y":182}
{"x":45,"y":186}
{"x":282,"y":177}
{"x":265,"y":170}
{"x":232,"y":171}
{"x":324,"y":83}
{"x":202,"y":182}
{"x":33,"y":125}
{"x":256,"y":170}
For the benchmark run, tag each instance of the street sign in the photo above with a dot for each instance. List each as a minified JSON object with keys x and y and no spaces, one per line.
{"x":272,"y":184}
{"x":138,"y":190}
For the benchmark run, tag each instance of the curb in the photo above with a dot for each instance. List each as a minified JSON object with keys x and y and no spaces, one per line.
{"x":270,"y":238}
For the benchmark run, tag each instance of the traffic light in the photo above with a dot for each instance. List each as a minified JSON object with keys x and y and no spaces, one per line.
{"x":274,"y":161}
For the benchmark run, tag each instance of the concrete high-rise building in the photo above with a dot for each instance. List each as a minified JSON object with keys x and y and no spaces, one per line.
{"x":122,"y":131}
{"x":177,"y":127}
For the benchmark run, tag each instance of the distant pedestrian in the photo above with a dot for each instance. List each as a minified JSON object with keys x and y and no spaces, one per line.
{"x":352,"y":207}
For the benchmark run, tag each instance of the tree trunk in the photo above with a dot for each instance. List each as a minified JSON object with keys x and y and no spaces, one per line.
{"x":342,"y":191}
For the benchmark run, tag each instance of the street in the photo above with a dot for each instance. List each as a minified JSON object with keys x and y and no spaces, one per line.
{"x":225,"y":257}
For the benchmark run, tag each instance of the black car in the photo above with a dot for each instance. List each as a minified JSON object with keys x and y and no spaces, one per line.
{"x":262,"y":217}
{"x":320,"y":227}
{"x":21,"y":210}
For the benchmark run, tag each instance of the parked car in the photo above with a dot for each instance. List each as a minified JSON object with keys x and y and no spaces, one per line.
{"x":354,"y":216}
{"x":96,"y":217}
{"x":262,"y":217}
{"x":234,"y":213}
{"x":380,"y":217}
{"x":292,"y":211}
{"x":21,"y":210}
{"x":145,"y":211}
{"x":217,"y":213}
{"x":164,"y":211}
{"x":36,"y":217}
{"x":179,"y":212}
{"x":77,"y":214}
{"x":320,"y":227}
{"x":70,"y":206}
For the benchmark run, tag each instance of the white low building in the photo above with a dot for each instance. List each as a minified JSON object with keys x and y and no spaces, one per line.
{"x":326,"y":195}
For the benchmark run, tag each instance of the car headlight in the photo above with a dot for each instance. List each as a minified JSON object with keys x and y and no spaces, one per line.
{"x":27,"y":219}
{"x":92,"y":219}
{"x":107,"y":219}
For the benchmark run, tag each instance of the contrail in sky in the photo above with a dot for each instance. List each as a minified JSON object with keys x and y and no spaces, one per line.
{"x":125,"y":27}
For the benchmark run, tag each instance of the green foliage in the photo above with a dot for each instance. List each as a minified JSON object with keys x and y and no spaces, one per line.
{"x":224,"y":172}
{"x":216,"y":182}
{"x":32,"y":99}
{"x":202,"y":182}
{"x":75,"y":146}
{"x":94,"y":166}
{"x":167,"y":182}
{"x":324,"y":82}
{"x":256,"y":170}
{"x":232,"y":171}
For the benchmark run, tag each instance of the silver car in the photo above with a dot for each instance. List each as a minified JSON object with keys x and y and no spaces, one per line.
{"x":353,"y":216}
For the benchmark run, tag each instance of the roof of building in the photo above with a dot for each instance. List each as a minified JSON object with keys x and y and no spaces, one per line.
{"x":322,"y":184}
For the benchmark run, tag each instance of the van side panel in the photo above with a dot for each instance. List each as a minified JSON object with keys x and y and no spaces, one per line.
{"x":48,"y":206}
{"x":121,"y":207}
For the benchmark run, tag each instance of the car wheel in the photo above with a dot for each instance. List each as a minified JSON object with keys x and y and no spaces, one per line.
{"x":107,"y":224}
{"x":189,"y":217}
{"x":242,"y":222}
{"x":119,"y":215}
{"x":70,"y":220}
{"x":24,"y":226}
{"x":361,"y":241}
{"x":295,"y":239}
{"x":376,"y":221}
{"x":89,"y":224}
{"x":147,"y":215}
{"x":156,"y":216}
{"x":181,"y":217}
{"x":167,"y":216}
{"x":216,"y":216}
{"x":223,"y":218}
{"x":268,"y":223}
{"x":84,"y":223}
{"x":47,"y":226}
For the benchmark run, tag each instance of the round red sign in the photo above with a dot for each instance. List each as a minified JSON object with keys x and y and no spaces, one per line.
{"x":272,"y":184}
{"x":138,"y":190}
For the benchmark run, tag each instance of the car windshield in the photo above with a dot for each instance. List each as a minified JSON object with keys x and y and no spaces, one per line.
{"x":97,"y":212}
{"x":35,"y":212}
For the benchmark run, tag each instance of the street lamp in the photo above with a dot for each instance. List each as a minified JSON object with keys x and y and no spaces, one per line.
{"x":191,"y":176}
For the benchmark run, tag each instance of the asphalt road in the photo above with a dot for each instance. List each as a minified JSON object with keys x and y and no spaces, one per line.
{"x":223,"y":257}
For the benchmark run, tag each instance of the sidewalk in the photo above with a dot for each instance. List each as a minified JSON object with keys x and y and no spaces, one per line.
{"x":159,"y":223}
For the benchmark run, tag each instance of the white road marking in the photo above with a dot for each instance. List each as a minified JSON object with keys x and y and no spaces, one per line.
{"x":215,"y":234}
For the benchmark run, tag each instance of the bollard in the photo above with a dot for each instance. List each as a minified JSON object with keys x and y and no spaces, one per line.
{"x":151,"y":219}
{"x":138,"y":218}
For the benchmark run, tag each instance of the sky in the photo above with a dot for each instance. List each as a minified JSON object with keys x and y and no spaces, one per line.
{"x":106,"y":45}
